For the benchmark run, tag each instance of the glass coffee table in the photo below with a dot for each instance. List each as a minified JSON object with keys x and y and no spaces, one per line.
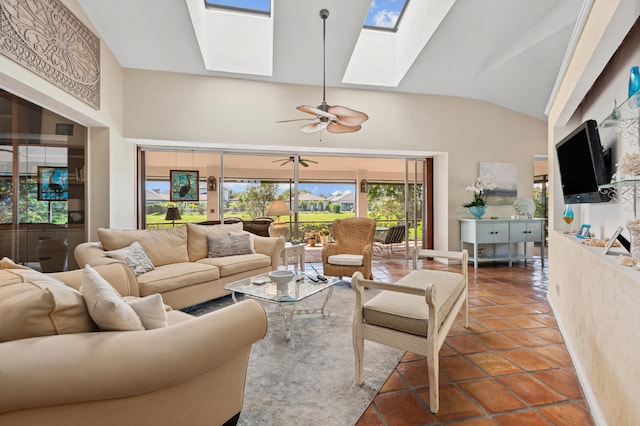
{"x":261,"y":288}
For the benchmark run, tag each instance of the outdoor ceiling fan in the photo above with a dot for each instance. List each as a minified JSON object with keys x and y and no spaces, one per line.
{"x":336,"y":118}
{"x":302,"y":161}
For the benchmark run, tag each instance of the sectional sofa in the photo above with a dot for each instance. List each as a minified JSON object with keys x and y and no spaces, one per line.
{"x":189,"y":264}
{"x":57,"y":368}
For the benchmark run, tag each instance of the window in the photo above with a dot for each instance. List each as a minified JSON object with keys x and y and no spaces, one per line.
{"x":252,"y":6}
{"x":385,"y":14}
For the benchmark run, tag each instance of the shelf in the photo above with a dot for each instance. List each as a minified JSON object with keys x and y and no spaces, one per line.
{"x":623,"y":190}
{"x":628,"y":111}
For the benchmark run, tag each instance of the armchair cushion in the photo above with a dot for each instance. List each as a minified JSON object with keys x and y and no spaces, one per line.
{"x":41,"y":307}
{"x":107,"y":308}
{"x":410,"y":313}
{"x":134,"y":256}
{"x":346,"y":259}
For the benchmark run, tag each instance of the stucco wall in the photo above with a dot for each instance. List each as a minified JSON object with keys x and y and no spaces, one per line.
{"x":594,"y":299}
{"x":205,"y":110}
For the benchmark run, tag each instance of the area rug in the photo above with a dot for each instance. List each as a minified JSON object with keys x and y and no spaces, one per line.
{"x":310,"y":379}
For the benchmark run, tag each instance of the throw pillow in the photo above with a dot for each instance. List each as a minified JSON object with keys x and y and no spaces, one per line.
{"x":230,"y":245}
{"x":251,"y":237}
{"x":41,"y":308}
{"x":197,"y":237}
{"x":107,"y":308}
{"x":134,"y":256}
{"x":151,"y":310}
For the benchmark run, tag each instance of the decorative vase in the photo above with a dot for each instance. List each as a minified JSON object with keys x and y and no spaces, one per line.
{"x":312,"y":242}
{"x":634,"y":86}
{"x":478,"y":211}
{"x":634,"y":233}
{"x":324,"y":239}
{"x":567,"y":216}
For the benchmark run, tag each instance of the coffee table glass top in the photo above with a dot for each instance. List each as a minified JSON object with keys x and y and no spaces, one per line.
{"x":261,"y":287}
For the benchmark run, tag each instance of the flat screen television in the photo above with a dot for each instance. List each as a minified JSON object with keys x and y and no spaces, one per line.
{"x":583,"y":165}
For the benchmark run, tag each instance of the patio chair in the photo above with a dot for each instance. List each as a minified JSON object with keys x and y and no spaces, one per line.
{"x":393,"y":235}
{"x":353,"y":247}
{"x":414,"y":314}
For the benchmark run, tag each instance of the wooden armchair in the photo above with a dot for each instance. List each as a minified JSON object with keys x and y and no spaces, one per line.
{"x":353,"y":249}
{"x":414,"y":314}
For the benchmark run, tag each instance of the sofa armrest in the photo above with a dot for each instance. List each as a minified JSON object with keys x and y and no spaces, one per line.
{"x":271,"y":246}
{"x":92,"y":254}
{"x":71,"y":368}
{"x":118,"y":274}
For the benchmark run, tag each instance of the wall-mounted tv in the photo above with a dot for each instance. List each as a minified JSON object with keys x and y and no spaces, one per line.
{"x":583,"y":165}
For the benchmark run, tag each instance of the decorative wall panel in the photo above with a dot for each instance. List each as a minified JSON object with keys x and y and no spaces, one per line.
{"x":45,"y":37}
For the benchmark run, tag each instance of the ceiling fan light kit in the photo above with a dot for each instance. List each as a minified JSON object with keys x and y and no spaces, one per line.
{"x":336,"y":118}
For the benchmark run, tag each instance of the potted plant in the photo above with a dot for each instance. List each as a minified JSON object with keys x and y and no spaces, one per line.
{"x":324,"y":236}
{"x":311,"y":237}
{"x":478,"y":206}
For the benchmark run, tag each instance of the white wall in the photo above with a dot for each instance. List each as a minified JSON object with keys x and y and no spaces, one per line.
{"x":22,"y":82}
{"x":595,"y":299}
{"x":188,"y":109}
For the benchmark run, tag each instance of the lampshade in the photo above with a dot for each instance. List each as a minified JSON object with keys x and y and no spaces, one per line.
{"x":279,"y":208}
{"x":173,"y":214}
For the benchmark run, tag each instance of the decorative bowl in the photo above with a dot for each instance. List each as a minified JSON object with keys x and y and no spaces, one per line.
{"x":281,"y":278}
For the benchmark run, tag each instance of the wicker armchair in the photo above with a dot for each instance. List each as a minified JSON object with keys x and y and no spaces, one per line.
{"x":353,"y":249}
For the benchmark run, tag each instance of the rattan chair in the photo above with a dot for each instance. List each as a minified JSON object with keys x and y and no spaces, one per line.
{"x":353,"y":248}
{"x":414,"y":314}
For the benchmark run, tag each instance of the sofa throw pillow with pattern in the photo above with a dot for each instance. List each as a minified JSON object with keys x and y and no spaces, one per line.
{"x":231,"y":245}
{"x":134,"y":256}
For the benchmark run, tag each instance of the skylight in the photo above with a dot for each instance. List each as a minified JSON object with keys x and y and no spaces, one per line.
{"x":254,"y":6}
{"x":385,"y":14}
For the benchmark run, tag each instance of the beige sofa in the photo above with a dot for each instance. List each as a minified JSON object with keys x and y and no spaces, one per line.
{"x":183,"y":273}
{"x":191,"y":372}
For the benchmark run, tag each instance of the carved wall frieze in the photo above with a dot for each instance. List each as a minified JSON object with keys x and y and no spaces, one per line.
{"x":45,"y":37}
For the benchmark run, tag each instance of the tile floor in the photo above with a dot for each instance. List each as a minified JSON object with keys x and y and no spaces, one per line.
{"x":510,"y":367}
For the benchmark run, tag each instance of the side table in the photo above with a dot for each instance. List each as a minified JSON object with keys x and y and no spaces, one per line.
{"x":296,"y":251}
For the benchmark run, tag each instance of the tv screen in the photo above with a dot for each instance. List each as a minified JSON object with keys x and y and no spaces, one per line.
{"x":582,"y":165}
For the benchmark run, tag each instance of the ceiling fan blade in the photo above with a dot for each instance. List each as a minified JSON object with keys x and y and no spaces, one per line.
{"x":348,"y":116}
{"x":313,"y":127}
{"x":295,"y":119}
{"x":316,"y":111}
{"x":309,"y":161}
{"x":341,"y":128}
{"x":282,"y":161}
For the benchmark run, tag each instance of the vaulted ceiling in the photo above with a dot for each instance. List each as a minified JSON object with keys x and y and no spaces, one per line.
{"x":508,"y":52}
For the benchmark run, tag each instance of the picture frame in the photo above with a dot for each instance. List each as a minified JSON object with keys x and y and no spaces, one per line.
{"x":53,"y":183}
{"x":184,"y":185}
{"x":612,"y":240}
{"x":583,"y":232}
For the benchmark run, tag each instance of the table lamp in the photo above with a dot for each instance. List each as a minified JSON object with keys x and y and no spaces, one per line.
{"x":278,"y":228}
{"x":173,"y":214}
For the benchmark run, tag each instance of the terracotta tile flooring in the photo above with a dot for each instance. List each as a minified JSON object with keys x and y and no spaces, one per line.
{"x":510,"y":367}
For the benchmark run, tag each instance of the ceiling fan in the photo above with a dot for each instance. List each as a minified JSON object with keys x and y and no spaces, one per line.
{"x":302,"y":161}
{"x":336,"y":118}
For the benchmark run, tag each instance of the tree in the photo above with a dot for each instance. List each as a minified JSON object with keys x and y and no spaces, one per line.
{"x":256,"y":198}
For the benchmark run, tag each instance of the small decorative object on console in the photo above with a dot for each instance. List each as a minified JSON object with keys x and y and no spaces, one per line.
{"x":583,"y":232}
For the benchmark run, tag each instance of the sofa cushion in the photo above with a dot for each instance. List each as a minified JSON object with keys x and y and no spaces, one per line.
{"x":163,"y":246}
{"x":40,"y":307}
{"x":134,"y":256}
{"x":177,"y":275}
{"x":107,"y":308}
{"x":231,"y":265}
{"x":197,"y":237}
{"x":150,"y":309}
{"x":231,"y":245}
